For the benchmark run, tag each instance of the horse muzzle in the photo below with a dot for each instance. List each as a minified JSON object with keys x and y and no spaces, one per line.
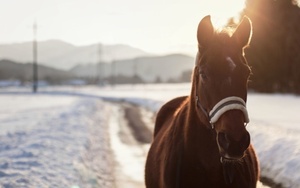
{"x":232,"y":137}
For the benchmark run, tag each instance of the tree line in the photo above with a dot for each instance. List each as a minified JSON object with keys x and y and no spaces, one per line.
{"x":274,"y":52}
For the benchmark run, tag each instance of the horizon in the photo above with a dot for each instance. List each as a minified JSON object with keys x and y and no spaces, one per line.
{"x":154,"y":27}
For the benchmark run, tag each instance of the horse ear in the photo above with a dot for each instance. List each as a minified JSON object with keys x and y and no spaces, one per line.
{"x":243,"y":33}
{"x":205,"y":32}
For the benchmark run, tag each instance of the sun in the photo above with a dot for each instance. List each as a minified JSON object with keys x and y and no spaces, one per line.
{"x":221,"y":11}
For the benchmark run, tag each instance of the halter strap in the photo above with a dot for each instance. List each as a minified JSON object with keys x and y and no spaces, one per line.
{"x":224,"y":105}
{"x":204,"y":111}
{"x":201,"y":107}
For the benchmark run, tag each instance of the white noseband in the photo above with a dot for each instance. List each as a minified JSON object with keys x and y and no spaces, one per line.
{"x":226,"y":104}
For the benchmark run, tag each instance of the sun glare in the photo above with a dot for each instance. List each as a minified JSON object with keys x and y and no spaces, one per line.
{"x":222,"y":11}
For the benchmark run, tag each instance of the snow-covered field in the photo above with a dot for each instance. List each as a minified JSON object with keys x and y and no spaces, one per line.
{"x":44,"y":137}
{"x":53,"y":141}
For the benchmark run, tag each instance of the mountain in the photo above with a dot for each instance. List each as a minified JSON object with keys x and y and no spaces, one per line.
{"x":10,"y":70}
{"x":62,"y":55}
{"x":149,"y":69}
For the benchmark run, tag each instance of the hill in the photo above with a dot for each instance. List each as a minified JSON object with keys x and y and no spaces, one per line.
{"x":149,"y":69}
{"x":62,"y":55}
{"x":10,"y":70}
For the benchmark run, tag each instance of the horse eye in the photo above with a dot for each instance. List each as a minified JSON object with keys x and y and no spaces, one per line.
{"x":203,"y":75}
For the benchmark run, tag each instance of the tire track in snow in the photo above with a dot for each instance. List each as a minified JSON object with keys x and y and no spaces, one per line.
{"x":130,"y":154}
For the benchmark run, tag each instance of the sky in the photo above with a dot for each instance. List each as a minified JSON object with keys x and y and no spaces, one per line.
{"x":156,"y":26}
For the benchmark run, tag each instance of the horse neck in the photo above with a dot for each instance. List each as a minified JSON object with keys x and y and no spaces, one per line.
{"x":196,"y":122}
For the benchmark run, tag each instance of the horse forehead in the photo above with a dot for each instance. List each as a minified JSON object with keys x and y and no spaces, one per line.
{"x":224,"y":63}
{"x":220,"y":56}
{"x":231,"y":63}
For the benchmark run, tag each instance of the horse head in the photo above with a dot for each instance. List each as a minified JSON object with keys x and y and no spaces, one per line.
{"x":220,"y":85}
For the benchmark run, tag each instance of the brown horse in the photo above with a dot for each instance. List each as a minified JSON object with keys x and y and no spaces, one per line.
{"x":201,"y":140}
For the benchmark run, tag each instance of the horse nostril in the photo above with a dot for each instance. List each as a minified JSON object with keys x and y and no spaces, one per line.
{"x":231,"y":146}
{"x":245,"y":142}
{"x":223,"y":140}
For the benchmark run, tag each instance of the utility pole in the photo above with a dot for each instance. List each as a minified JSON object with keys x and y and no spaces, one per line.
{"x":135,"y":75}
{"x":35,"y":66}
{"x":112,"y":65}
{"x":98,"y":65}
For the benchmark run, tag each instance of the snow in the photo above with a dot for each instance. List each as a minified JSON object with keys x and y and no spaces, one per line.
{"x":63,"y":111}
{"x":44,"y":140}
{"x":28,"y":107}
{"x":275,"y":132}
